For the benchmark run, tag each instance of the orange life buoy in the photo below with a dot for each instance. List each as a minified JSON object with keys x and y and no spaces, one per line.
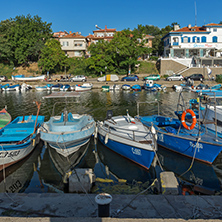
{"x":194,"y":119}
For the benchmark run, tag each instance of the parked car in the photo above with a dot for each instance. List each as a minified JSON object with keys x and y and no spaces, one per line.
{"x":130,"y":78}
{"x":3,"y":78}
{"x":64,"y":79}
{"x":175,"y":77}
{"x":152,"y":77}
{"x":78,"y":78}
{"x":110,"y":77}
{"x":199,"y":77}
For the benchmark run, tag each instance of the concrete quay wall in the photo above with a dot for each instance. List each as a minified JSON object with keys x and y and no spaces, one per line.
{"x":82,"y":207}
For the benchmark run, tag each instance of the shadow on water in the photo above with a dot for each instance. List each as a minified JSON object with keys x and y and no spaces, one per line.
{"x":118,"y":175}
{"x":18,"y":177}
{"x":203,"y":177}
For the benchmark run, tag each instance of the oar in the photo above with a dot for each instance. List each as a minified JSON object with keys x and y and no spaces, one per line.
{"x":38,"y":106}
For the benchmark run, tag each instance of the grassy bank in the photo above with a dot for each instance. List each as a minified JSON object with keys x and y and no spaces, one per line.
{"x":147,"y":68}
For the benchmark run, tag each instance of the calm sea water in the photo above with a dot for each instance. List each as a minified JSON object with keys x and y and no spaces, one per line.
{"x":44,"y":170}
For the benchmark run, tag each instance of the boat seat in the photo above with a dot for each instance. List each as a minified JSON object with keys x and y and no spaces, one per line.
{"x":163,"y":121}
{"x":170,"y":129}
{"x":71,"y":119}
{"x":61,"y":119}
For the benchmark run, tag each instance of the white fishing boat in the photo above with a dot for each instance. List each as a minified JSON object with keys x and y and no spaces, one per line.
{"x":29,"y":78}
{"x":114,"y":87}
{"x":83,"y":87}
{"x":25,"y":87}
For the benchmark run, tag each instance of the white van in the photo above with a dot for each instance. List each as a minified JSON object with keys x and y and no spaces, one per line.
{"x":110,"y":77}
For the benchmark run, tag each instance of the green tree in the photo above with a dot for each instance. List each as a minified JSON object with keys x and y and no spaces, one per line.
{"x":77,"y":65}
{"x":119,"y":55}
{"x":158,"y":33}
{"x":24,"y":37}
{"x":101,"y":58}
{"x":127,"y":46}
{"x":52,"y":58}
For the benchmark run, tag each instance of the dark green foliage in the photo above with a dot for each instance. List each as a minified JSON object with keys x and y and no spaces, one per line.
{"x":52,"y":58}
{"x":117,"y":56}
{"x":219,"y":78}
{"x":157,"y":45}
{"x":22,"y":38}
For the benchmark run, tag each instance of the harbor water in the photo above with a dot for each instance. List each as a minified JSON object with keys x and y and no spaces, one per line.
{"x":44,"y":170}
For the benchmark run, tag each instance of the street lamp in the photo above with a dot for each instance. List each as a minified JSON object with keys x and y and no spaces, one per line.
{"x":98,"y":27}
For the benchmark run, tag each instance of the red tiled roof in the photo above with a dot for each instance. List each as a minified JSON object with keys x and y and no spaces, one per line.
{"x":213,"y":24}
{"x":192,"y":29}
{"x":196,"y":28}
{"x":105,"y":30}
{"x":73,"y":35}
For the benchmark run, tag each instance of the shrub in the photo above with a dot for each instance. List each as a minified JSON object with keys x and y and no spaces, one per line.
{"x":219,"y":78}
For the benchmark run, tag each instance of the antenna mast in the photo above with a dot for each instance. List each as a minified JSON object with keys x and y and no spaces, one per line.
{"x":195,"y":13}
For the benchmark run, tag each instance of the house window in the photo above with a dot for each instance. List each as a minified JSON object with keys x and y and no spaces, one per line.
{"x":78,"y":44}
{"x":203,"y":39}
{"x":196,"y":39}
{"x":65,"y":43}
{"x":214,"y":30}
{"x":186,"y":39}
{"x":214,"y":39}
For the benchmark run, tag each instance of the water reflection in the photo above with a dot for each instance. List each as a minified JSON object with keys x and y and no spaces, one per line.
{"x":17,"y":177}
{"x":198,"y":173}
{"x":49,"y":170}
{"x":116,"y":167}
{"x":55,"y":166}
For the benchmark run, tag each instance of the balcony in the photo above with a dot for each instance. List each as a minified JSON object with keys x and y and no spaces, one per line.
{"x":175,"y":43}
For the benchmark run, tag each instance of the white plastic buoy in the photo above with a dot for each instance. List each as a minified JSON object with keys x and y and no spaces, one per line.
{"x":106,"y":138}
{"x":103,"y":200}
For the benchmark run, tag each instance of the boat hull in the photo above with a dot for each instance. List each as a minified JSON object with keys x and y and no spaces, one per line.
{"x":129,"y":150}
{"x":12,"y":154}
{"x":18,"y":139}
{"x":202,"y":151}
{"x":129,"y":139}
{"x":37,"y":78}
{"x":205,"y":150}
{"x":67,"y":137}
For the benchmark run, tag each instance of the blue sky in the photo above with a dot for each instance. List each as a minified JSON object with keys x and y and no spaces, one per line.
{"x":82,"y":16}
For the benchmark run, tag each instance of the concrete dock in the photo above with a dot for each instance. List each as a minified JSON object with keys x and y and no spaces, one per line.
{"x":82,"y":207}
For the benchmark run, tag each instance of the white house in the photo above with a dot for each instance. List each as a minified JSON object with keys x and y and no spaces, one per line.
{"x":73,"y":44}
{"x":194,"y":41}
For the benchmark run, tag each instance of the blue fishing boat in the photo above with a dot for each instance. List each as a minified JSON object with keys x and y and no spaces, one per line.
{"x":68,"y":132}
{"x":126,"y":87}
{"x":56,"y":87}
{"x":8,"y":87}
{"x":129,"y":138}
{"x":176,"y":134}
{"x":18,"y":138}
{"x":65,"y":87}
{"x":136,"y":87}
{"x":44,"y":88}
{"x":153,"y":87}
